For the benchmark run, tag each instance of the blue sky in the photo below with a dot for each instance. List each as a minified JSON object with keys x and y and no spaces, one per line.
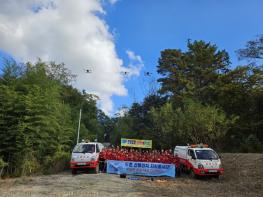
{"x":147,"y":27}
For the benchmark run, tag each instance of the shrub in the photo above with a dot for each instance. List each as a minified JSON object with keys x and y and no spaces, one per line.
{"x":56,"y":163}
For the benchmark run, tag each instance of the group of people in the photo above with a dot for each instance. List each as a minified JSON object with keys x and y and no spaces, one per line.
{"x":124,"y":154}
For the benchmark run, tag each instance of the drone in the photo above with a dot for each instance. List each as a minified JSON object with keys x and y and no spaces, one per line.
{"x":147,"y":73}
{"x":88,"y":70}
{"x":125,"y":73}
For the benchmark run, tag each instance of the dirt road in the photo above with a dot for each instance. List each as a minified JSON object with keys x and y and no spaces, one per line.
{"x":243,"y":177}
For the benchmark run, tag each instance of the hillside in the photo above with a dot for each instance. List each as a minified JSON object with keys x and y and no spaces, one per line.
{"x":243,"y":177}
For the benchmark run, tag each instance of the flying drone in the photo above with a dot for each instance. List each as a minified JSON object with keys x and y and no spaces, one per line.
{"x":147,"y":73}
{"x":88,"y":70}
{"x":125,"y":73}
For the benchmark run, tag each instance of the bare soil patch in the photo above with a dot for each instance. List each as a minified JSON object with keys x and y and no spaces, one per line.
{"x":243,"y":177}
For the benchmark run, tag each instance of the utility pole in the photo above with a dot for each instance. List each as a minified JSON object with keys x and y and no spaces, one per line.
{"x":79,"y":125}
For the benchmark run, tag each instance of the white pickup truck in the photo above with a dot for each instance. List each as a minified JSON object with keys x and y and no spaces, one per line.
{"x":199,"y":160}
{"x":85,"y":155}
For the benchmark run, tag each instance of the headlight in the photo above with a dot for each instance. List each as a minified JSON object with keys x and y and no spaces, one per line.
{"x":72,"y":159}
{"x":93,"y":158}
{"x":200,"y":166}
{"x":220,"y":165}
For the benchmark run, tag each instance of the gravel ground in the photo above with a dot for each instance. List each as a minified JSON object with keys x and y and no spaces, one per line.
{"x":243,"y":177}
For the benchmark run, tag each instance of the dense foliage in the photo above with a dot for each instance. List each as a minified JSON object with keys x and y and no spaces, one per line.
{"x":39,"y":113}
{"x":202,"y":99}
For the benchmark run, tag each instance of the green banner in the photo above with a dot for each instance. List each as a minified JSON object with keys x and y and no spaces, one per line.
{"x":136,"y":143}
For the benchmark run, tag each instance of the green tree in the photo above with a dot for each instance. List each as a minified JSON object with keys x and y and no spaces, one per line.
{"x":191,"y":123}
{"x":192,"y":73}
{"x":253,"y":49}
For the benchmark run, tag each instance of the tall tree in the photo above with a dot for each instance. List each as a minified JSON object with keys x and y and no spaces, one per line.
{"x":192,"y":73}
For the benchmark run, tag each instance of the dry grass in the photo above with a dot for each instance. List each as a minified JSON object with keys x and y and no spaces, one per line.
{"x":243,"y":177}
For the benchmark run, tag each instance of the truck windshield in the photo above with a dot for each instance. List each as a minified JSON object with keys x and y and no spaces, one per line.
{"x":206,"y":155}
{"x":84,"y":148}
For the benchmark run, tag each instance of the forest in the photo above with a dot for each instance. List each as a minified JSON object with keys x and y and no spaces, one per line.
{"x":202,"y":98}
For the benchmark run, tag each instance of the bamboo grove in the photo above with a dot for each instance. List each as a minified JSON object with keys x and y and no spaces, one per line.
{"x":39,"y":115}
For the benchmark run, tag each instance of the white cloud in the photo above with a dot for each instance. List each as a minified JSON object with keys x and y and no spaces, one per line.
{"x":134,"y":57}
{"x":135,"y":64}
{"x":113,"y":1}
{"x":123,"y":111}
{"x":71,"y":32}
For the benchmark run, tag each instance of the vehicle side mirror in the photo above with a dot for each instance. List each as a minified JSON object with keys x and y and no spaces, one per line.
{"x":193,"y":157}
{"x":219,"y":156}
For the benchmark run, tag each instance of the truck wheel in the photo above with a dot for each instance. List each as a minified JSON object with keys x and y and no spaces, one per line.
{"x":74,"y":171}
{"x":192,"y":174}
